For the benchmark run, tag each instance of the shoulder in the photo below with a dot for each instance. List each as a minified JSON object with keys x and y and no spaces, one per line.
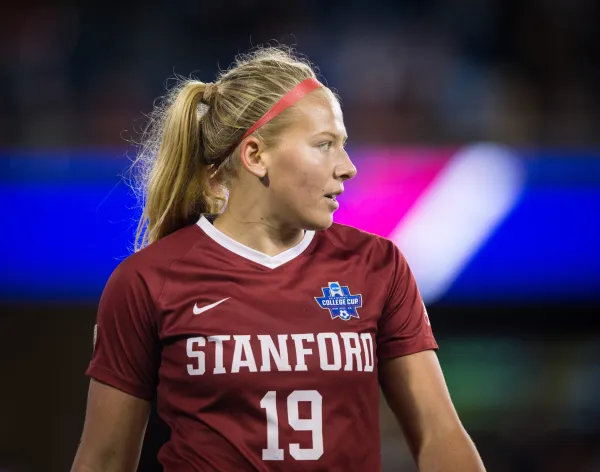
{"x":349,"y":238}
{"x":150,"y":266}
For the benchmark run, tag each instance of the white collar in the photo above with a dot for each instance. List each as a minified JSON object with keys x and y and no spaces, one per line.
{"x":251,"y":254}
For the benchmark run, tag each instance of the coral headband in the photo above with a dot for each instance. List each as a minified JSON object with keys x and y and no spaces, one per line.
{"x":299,"y":91}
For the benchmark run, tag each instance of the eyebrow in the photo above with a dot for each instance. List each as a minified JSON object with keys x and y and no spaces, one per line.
{"x":334,"y":135}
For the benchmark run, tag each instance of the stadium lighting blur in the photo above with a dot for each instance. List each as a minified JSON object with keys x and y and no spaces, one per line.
{"x":478,"y":224}
{"x":455,"y":215}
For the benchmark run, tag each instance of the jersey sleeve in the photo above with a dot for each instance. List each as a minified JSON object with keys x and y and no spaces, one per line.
{"x":126,"y":349}
{"x":404,"y":326}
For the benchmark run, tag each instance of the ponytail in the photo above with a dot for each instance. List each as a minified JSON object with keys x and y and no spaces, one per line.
{"x":177,"y":181}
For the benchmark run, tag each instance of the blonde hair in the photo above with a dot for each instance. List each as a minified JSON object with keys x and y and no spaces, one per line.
{"x":188,"y":152}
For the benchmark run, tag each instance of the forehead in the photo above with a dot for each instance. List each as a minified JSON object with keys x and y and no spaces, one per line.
{"x":318,"y":112}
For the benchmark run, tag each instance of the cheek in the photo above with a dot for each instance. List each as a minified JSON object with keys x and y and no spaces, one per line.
{"x":301,"y":177}
{"x":310,"y":185}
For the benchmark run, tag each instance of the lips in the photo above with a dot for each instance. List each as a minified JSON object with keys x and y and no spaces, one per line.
{"x":333,"y":195}
{"x":333,"y":203}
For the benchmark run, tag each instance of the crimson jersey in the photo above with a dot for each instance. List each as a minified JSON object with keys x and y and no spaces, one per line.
{"x":258,"y":362}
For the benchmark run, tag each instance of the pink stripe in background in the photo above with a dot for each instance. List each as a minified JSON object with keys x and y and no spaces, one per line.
{"x":388,"y":183}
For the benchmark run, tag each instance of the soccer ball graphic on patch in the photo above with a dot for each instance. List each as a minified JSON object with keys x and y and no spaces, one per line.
{"x":339,"y":301}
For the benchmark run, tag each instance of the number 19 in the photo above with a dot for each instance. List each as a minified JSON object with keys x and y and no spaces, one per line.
{"x":313,"y":424}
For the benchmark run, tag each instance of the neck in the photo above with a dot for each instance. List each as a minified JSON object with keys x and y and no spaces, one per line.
{"x":246,"y":221}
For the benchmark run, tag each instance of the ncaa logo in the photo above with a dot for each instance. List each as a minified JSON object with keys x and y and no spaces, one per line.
{"x":339,"y":301}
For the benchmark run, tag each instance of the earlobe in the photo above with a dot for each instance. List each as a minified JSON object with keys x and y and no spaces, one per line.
{"x":263,"y":173}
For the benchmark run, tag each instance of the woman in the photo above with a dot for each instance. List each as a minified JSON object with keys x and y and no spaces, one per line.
{"x":262,"y":329}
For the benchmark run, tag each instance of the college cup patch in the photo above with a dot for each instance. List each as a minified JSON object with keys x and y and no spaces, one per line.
{"x":339,"y":301}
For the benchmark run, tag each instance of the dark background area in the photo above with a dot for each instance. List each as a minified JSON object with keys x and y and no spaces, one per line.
{"x":435,"y":71}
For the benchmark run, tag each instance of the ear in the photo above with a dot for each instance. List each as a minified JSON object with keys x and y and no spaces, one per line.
{"x":252,"y":158}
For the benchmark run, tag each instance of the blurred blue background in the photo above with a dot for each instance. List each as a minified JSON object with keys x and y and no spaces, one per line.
{"x":475,"y":128}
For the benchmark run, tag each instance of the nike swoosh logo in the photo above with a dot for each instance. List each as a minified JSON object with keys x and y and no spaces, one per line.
{"x":197,"y":310}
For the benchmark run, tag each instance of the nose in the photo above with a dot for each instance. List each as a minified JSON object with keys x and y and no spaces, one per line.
{"x":345,"y":170}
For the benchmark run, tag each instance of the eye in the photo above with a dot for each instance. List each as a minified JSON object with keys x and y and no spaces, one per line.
{"x":326,"y":146}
